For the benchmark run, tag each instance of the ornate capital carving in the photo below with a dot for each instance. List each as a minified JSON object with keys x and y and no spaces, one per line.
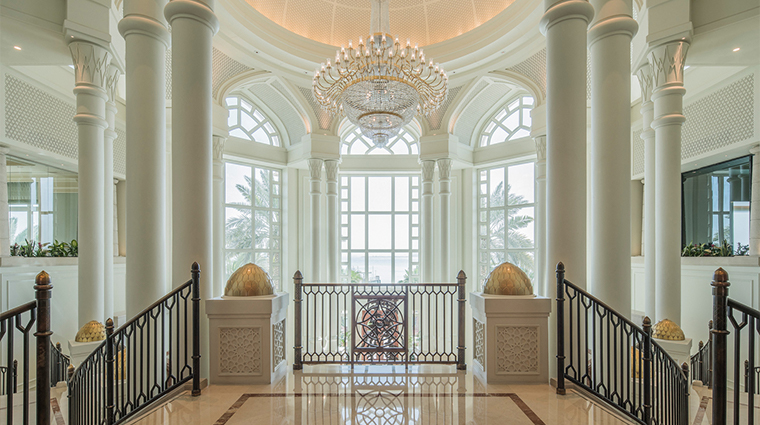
{"x":540,"y":148}
{"x":667,"y":62}
{"x":644,"y":74}
{"x":428,"y":168}
{"x":218,"y":147}
{"x":444,"y":168}
{"x":315,"y":168}
{"x":331,"y":169}
{"x":90,"y":63}
{"x":112,"y":82}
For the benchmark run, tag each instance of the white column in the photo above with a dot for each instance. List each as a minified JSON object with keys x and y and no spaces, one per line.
{"x":564,"y":25}
{"x":444,"y":189}
{"x":193,"y":26}
{"x":754,"y":210}
{"x":540,"y":222}
{"x":315,"y":196}
{"x":108,"y":190}
{"x":609,"y":40}
{"x":121,"y":204}
{"x":667,"y":62}
{"x":644,"y":74}
{"x":5,"y":228}
{"x":637,"y":207}
{"x":90,"y":68}
{"x":146,"y":38}
{"x":333,"y":214}
{"x":426,"y":223}
{"x":218,"y":205}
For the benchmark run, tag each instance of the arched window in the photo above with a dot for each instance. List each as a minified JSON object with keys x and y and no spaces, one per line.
{"x":509,"y":123}
{"x":354,"y":143}
{"x":248,"y":122}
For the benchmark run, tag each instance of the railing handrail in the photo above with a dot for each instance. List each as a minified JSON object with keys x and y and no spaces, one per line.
{"x":744,"y":308}
{"x":23,"y":308}
{"x":154,"y":305}
{"x":635,"y":327}
{"x":379,"y":284}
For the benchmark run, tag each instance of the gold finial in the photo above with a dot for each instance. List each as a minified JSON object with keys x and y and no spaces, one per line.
{"x":249,"y":280}
{"x":667,"y":330}
{"x":91,"y":331}
{"x":507,"y":279}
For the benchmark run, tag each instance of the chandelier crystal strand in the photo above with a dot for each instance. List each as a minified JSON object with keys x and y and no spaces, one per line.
{"x":380,"y":85}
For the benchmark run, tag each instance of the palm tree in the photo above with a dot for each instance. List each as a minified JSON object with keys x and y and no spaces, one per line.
{"x":513,"y":223}
{"x":250,"y":229}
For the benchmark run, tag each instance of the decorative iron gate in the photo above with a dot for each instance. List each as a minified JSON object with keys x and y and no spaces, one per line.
{"x":377,"y":323}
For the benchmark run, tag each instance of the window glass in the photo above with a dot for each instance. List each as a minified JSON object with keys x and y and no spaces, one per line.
{"x":247,"y":122}
{"x":716,"y":202}
{"x":253,"y":219}
{"x":509,"y":123}
{"x":505,"y":217}
{"x":355,"y":143}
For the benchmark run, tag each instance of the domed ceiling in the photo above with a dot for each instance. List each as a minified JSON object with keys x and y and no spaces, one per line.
{"x":335,"y":22}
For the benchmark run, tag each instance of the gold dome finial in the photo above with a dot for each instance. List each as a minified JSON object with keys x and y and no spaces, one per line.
{"x":91,"y":331}
{"x":249,"y":280}
{"x":667,"y":329}
{"x":507,"y":279}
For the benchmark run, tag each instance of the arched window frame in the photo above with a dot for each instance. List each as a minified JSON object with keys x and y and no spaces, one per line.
{"x":497,"y":129}
{"x":262,"y":129}
{"x":353,"y":142}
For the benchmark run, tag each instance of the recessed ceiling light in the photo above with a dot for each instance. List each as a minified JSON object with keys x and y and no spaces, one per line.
{"x":736,"y":49}
{"x":17,"y":48}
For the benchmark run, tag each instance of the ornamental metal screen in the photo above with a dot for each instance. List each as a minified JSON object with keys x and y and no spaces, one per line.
{"x":375,"y":323}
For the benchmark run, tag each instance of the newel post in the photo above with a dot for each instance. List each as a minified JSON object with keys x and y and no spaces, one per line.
{"x":43,"y":293}
{"x":297,"y":281}
{"x":196,"y":276}
{"x":461,"y":281}
{"x":109,"y":372}
{"x":719,"y":336}
{"x":560,"y":328}
{"x":647,"y":372}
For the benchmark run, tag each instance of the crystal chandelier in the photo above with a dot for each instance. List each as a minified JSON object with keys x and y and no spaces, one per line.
{"x":380,"y":85}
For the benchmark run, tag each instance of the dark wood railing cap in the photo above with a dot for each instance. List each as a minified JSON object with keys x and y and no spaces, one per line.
{"x":461,"y":275}
{"x":298,"y":275}
{"x":685,"y":368}
{"x":196,"y":267}
{"x":646,"y":322}
{"x":710,"y":325}
{"x":720,"y":278}
{"x":42,"y":281}
{"x":560,"y":267}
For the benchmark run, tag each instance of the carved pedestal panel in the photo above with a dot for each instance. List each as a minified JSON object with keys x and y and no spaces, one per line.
{"x":510,"y":338}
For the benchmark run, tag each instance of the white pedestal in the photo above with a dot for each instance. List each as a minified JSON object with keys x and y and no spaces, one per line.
{"x":679,"y":350}
{"x":80,"y":350}
{"x":511,"y":338}
{"x":247,"y":339}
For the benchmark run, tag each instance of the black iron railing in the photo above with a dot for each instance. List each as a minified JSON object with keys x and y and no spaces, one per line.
{"x":609,"y":356}
{"x":701,"y":362}
{"x":745,"y":324}
{"x":143,"y":360}
{"x":20,"y":323}
{"x":367,"y":323}
{"x":59,"y":364}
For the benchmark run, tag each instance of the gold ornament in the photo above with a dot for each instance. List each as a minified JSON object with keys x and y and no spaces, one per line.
{"x":91,"y":331}
{"x":249,"y":280}
{"x":507,"y":279}
{"x":667,"y":330}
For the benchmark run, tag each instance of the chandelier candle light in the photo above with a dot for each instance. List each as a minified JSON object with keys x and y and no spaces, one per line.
{"x":380,"y":85}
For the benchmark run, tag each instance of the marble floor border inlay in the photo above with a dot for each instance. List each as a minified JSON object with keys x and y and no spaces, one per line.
{"x":514,"y":397}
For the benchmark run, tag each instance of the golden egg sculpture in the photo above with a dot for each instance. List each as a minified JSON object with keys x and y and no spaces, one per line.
{"x":91,"y":331}
{"x":668,"y":330}
{"x":249,"y":280}
{"x":507,"y":279}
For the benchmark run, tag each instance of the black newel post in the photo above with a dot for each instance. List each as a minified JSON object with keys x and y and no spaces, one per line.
{"x":297,"y":281}
{"x":647,"y":372}
{"x":461,"y":281}
{"x":196,"y":276}
{"x":719,"y":335}
{"x":43,"y":293}
{"x":560,"y":328}
{"x":109,"y":371}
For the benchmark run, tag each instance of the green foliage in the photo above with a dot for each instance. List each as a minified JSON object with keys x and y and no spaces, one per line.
{"x":710,"y":249}
{"x":239,"y":229}
{"x":56,"y":249}
{"x":513,"y":223}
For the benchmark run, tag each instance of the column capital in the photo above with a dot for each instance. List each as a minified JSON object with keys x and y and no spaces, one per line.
{"x":428,"y":168}
{"x":218,"y":147}
{"x":444,"y":168}
{"x":112,"y":81}
{"x":667,"y":61}
{"x":564,"y":10}
{"x":315,"y":168}
{"x":331,"y":169}
{"x":191,"y":9}
{"x":91,"y":62}
{"x":540,"y":147}
{"x":644,"y":74}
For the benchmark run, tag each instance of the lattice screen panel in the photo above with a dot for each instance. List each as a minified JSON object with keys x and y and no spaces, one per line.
{"x":276,"y":102}
{"x":637,"y":156}
{"x":323,"y":117}
{"x":436,"y":118}
{"x":535,"y":69}
{"x":483,"y":101}
{"x":223,"y":68}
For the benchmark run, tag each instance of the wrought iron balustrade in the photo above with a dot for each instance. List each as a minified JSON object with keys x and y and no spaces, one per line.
{"x":379,"y":323}
{"x":30,"y":323}
{"x":619,"y":362}
{"x":59,"y":364}
{"x":143,"y":360}
{"x":701,"y":362}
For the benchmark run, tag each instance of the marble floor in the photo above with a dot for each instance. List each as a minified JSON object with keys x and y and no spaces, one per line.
{"x":379,"y":396}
